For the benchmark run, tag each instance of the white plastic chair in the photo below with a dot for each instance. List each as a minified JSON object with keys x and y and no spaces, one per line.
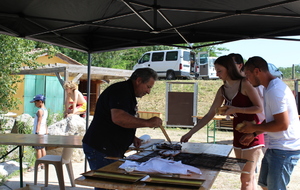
{"x":57,"y":161}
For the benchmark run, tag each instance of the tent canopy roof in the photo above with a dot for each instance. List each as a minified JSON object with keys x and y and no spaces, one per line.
{"x":104,"y":25}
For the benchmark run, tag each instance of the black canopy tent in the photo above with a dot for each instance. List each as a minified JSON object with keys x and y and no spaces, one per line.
{"x":104,"y":25}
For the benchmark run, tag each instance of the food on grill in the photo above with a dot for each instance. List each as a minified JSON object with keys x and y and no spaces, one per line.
{"x":221,"y":110}
{"x":168,"y":153}
{"x":169,"y":146}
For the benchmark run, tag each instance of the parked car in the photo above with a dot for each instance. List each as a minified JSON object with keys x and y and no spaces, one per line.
{"x":169,"y":64}
{"x":275,"y":71}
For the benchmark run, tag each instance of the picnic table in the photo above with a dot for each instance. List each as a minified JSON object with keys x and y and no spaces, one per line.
{"x":208,"y":176}
{"x":21,"y":140}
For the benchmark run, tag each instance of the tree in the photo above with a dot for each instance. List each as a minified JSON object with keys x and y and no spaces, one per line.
{"x":126,"y":59}
{"x":81,"y":57}
{"x":14,"y":53}
{"x":123,"y":59}
{"x":287,"y":72}
{"x":213,"y":51}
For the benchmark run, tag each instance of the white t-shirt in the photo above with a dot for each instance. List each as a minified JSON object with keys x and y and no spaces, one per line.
{"x":43,"y":127}
{"x":279,"y":98}
{"x":260,"y":91}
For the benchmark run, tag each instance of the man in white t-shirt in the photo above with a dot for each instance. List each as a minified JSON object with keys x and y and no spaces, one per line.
{"x":281,"y":124}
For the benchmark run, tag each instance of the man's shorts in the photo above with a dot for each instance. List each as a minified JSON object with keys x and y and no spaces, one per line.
{"x":38,"y":147}
{"x":277,"y":167}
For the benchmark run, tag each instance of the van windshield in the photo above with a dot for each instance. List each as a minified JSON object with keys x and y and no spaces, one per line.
{"x":145,"y":58}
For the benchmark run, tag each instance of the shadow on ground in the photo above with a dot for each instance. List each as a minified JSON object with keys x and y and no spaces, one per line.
{"x":28,"y":178}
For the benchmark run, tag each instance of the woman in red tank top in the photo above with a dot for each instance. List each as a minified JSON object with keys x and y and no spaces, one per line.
{"x":243,"y":103}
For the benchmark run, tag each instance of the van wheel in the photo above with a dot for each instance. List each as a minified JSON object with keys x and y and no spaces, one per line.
{"x":170,"y":75}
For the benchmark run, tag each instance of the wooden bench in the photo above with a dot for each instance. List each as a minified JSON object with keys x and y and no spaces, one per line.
{"x":225,"y":124}
{"x":148,"y":115}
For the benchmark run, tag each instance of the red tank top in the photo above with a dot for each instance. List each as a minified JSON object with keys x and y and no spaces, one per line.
{"x":240,"y":100}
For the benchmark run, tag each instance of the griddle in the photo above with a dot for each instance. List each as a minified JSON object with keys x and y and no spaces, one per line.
{"x":210,"y":161}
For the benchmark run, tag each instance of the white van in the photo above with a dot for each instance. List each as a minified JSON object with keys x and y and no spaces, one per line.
{"x":204,"y":67}
{"x":169,"y":64}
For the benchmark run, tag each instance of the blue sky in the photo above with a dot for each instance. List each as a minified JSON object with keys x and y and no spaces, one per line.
{"x":281,"y":53}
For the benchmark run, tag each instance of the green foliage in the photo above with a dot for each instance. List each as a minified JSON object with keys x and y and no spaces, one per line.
{"x":14,"y":53}
{"x":53,"y":117}
{"x":287,"y":72}
{"x":3,"y":123}
{"x":3,"y":179}
{"x":126,"y":59}
{"x":213,"y":51}
{"x":3,"y":148}
{"x":29,"y":155}
{"x":123,"y":59}
{"x":76,"y":55}
{"x":24,"y":127}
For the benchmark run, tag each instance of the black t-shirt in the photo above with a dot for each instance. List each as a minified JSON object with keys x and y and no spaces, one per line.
{"x":104,"y":135}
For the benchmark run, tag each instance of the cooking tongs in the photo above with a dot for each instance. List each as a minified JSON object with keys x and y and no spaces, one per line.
{"x":165,"y":133}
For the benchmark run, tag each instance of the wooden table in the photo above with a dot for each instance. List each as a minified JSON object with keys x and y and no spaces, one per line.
{"x":207,"y":174}
{"x":37,"y":140}
{"x":214,"y":119}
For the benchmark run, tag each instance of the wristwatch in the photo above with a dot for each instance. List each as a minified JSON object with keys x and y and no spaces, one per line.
{"x":254,"y":134}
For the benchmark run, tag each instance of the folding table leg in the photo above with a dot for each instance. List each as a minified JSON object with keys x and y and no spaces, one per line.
{"x":21,"y":165}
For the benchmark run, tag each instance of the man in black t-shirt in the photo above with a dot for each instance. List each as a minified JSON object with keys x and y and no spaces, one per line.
{"x":114,"y":124}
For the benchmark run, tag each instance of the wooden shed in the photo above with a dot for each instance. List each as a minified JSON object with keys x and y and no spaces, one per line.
{"x":48,"y":80}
